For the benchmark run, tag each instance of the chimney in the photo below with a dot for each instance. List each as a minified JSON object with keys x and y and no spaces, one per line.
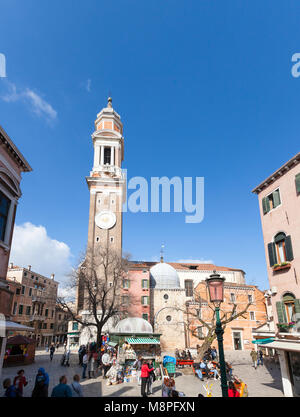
{"x":52,"y":276}
{"x":29,"y":267}
{"x":11,"y":265}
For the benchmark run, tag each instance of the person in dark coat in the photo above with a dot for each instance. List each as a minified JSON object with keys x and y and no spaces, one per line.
{"x":41,"y":386}
{"x":52,"y":350}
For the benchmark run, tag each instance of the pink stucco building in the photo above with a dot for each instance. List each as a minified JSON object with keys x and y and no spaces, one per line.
{"x":279,"y":204}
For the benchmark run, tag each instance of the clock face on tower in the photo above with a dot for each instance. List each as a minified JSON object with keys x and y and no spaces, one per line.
{"x":106,"y":219}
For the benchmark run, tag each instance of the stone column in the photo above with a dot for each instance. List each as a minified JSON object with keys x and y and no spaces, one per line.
{"x":102,"y":155}
{"x":112,"y":159}
{"x":97,"y":156}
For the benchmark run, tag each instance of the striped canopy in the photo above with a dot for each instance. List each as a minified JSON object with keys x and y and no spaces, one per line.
{"x":142,"y":341}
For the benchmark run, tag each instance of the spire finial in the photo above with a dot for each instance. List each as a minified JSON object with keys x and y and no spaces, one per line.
{"x":109,"y":102}
{"x":162,"y":253}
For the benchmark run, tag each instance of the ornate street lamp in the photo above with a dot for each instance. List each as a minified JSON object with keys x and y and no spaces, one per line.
{"x":215,"y":286}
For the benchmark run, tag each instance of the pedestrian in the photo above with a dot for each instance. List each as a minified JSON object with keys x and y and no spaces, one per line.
{"x":41,"y":384}
{"x":151,"y":379}
{"x":213,"y":369}
{"x":145,"y":370}
{"x":232,"y":391}
{"x":138,"y":366}
{"x":76,"y":387}
{"x":253,"y":355}
{"x":57,"y":345}
{"x":10,"y":389}
{"x":85,"y":360}
{"x":228,"y":371}
{"x":81,"y":353}
{"x":198,"y":370}
{"x":189,"y":355}
{"x":91,"y":366}
{"x":214,"y":353}
{"x":260,"y":357}
{"x":52,"y":350}
{"x":62,"y":389}
{"x":20,"y":382}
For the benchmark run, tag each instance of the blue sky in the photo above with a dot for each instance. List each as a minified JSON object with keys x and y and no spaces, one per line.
{"x":204,"y":88}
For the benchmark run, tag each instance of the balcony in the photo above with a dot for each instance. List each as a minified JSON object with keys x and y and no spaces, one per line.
{"x":281,"y":267}
{"x":291,"y":328}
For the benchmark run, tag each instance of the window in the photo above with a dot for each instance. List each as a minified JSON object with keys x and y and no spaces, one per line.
{"x":28,"y":308}
{"x":145,"y":300}
{"x":18,"y":291}
{"x":145,"y":316}
{"x":250,"y":298}
{"x":97,"y":239}
{"x":107,"y":152}
{"x":126,"y":283}
{"x":232,"y":297}
{"x":189,"y":287}
{"x":30,"y":292}
{"x":280,"y":250}
{"x":15,"y":308}
{"x":23,"y":290}
{"x":52,"y":314}
{"x":111,"y":239}
{"x":25,"y":274}
{"x":168,"y":318}
{"x":51,"y":325}
{"x":4,"y":208}
{"x":144,"y":283}
{"x":20,"y":309}
{"x":287,"y":308}
{"x":45,"y":326}
{"x":271,"y":201}
{"x":75,"y":325}
{"x":252,"y":315}
{"x":59,"y":317}
{"x":166,"y":296}
{"x":125,"y":299}
{"x":297,"y":182}
{"x":46,"y":312}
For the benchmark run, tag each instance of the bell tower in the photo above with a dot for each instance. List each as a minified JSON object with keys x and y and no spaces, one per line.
{"x":106,"y":182}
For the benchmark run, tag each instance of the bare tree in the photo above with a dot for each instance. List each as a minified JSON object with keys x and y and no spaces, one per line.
{"x":98,"y":281}
{"x":196,"y":322}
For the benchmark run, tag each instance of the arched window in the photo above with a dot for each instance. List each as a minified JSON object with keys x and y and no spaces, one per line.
{"x":280,"y":250}
{"x":289,"y":304}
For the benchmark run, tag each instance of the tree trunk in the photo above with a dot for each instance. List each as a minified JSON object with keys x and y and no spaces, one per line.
{"x":99,"y":336}
{"x":205,"y":345}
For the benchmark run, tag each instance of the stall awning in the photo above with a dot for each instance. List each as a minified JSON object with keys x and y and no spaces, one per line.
{"x":284,"y":345}
{"x":112,"y":344}
{"x":142,"y":341}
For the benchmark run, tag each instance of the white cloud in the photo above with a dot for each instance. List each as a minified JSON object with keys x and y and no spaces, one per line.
{"x":195,"y":261}
{"x":35,"y":102}
{"x":31,"y":245}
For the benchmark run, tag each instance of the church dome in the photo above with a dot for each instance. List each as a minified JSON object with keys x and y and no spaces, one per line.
{"x":133,"y":325}
{"x":164,"y":276}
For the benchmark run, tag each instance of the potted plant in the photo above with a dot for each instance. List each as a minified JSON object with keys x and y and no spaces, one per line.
{"x":283,"y":265}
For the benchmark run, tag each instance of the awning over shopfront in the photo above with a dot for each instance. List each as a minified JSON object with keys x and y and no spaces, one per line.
{"x":281,"y":345}
{"x":112,"y":344}
{"x":263,"y":341}
{"x":142,"y":341}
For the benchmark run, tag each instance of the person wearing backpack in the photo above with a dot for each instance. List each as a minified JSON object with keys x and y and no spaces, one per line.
{"x":151,"y":379}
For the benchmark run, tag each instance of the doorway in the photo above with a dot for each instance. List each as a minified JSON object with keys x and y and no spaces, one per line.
{"x":237,"y":341}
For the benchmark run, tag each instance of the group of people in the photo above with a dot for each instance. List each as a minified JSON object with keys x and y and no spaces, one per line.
{"x":257,"y":358}
{"x":145,"y":375}
{"x":94,"y":360}
{"x":41,"y":386}
{"x":185,"y":354}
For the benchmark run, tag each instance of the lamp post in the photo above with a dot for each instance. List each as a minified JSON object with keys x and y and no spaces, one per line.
{"x":215,"y":285}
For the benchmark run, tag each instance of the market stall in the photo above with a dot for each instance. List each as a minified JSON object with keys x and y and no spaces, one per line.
{"x":20,"y":350}
{"x":135,"y":338}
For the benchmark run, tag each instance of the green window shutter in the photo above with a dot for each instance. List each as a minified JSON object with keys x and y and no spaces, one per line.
{"x":276,"y":198}
{"x":288,"y":249}
{"x":297,"y":181}
{"x":280,"y":307}
{"x":265,"y":205}
{"x":272,"y":254}
{"x":297,"y":306}
{"x":148,"y":300}
{"x":147,"y":283}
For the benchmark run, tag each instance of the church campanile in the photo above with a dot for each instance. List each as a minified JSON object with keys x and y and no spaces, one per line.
{"x":106,"y":183}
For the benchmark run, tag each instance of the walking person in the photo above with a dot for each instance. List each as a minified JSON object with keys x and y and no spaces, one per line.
{"x":151,"y":379}
{"x":260,"y":358}
{"x":52,"y":350}
{"x":41,"y":386}
{"x":57,"y":345}
{"x":76,"y":387}
{"x":145,"y":370}
{"x":232,"y":391}
{"x":62,"y":390}
{"x":85,"y":360}
{"x":253,"y":355}
{"x":20,"y":382}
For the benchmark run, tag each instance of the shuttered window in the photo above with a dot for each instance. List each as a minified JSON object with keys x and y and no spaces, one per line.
{"x":280,"y":307}
{"x":189,"y":287}
{"x":4,"y":208}
{"x":271,"y":201}
{"x":280,"y":250}
{"x":297,"y":181}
